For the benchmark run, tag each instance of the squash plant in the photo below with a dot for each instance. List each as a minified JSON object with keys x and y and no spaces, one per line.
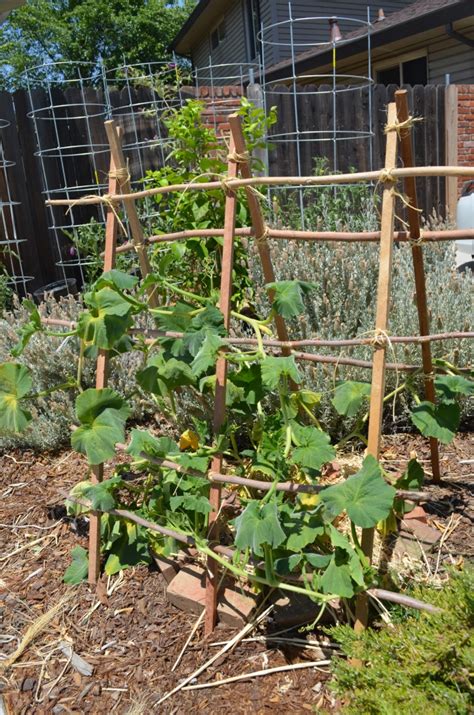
{"x":272,"y":433}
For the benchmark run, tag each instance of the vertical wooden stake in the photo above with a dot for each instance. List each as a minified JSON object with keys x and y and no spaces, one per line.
{"x":381,"y":324}
{"x":258,"y":223}
{"x":406,"y":151}
{"x":130,"y":207}
{"x":102,"y":375}
{"x":220,"y":397}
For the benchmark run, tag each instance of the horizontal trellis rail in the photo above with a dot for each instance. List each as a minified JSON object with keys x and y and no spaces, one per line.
{"x":282,"y":234}
{"x":381,"y":176}
{"x":310,"y":357}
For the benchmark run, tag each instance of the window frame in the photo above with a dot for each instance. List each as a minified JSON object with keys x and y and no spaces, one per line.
{"x":399,"y":62}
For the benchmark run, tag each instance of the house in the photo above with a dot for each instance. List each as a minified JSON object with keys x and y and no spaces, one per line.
{"x":227,"y":31}
{"x":427,"y":42}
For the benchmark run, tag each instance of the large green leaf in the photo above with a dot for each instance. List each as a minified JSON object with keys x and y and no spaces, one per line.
{"x":314,"y":447}
{"x":161,"y":376}
{"x":91,"y":402}
{"x":349,"y":396}
{"x":119,"y":279}
{"x":108,"y":319}
{"x":130,"y":549}
{"x":257,"y":526}
{"x":337,"y":576}
{"x":413,"y":477}
{"x":143,"y":442}
{"x":288,"y":296}
{"x":302,"y":530}
{"x":440,"y":421}
{"x":15,"y":384}
{"x":366,"y":496}
{"x":249,"y":378}
{"x":448,"y":387}
{"x":207,"y":355}
{"x":78,"y":568}
{"x":195,"y":503}
{"x":100,"y":495}
{"x":102,"y":414}
{"x":275,"y":368}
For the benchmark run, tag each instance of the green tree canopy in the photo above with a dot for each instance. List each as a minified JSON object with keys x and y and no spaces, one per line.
{"x":114,"y":31}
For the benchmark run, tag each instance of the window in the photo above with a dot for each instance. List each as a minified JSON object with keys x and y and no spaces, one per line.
{"x":252,"y":21}
{"x":218,"y":35}
{"x":412,"y":70}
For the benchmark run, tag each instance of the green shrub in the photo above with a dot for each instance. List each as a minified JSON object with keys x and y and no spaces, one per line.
{"x":423,"y":664}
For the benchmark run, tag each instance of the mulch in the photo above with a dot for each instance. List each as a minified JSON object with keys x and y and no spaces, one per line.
{"x":128,"y":631}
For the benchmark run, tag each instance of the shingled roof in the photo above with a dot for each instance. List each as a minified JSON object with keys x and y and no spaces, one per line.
{"x":419,"y":17}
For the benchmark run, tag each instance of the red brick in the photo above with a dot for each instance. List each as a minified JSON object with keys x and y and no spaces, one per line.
{"x":187,"y":591}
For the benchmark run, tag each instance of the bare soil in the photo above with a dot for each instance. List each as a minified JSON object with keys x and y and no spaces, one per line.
{"x":126,"y":629}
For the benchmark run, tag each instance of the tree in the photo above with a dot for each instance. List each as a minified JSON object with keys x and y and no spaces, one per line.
{"x":111,"y":31}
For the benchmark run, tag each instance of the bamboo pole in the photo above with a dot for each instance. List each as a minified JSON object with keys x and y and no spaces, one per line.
{"x":290,"y":235}
{"x":378,"y":176}
{"x":102,"y":372}
{"x":129,"y":204}
{"x":268,"y":342}
{"x":406,"y":152}
{"x":258,"y":222}
{"x":381,"y":325}
{"x":220,"y":395}
{"x":289,"y":487}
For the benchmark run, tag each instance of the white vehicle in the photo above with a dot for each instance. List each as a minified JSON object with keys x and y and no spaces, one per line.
{"x":465,"y":219}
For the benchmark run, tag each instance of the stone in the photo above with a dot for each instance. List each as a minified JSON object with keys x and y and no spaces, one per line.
{"x":28,"y":684}
{"x":187,"y":591}
{"x":415,"y":538}
{"x":417,"y":513}
{"x":295,"y":609}
{"x":423,"y":532}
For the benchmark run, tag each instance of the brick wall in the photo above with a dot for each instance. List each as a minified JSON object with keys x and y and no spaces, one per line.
{"x":465,"y":126}
{"x":220,"y":102}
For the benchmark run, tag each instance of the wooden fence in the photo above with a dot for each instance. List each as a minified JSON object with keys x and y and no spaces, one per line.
{"x":27,"y":178}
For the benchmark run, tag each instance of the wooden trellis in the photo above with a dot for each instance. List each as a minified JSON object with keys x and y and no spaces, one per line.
{"x":398,"y":133}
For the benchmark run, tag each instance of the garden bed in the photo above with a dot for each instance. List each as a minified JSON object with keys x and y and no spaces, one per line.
{"x":144,"y":633}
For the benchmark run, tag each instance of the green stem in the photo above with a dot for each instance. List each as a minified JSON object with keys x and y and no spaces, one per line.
{"x":80,"y":365}
{"x":63,"y":386}
{"x":185,"y":293}
{"x":313,"y":419}
{"x":65,"y":334}
{"x":258,"y":579}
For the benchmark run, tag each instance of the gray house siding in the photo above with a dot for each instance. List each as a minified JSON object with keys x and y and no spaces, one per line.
{"x":232,"y":50}
{"x":448,"y":56}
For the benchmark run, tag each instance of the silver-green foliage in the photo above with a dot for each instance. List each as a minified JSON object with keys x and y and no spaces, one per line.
{"x":342,"y":304}
{"x":53,"y":361}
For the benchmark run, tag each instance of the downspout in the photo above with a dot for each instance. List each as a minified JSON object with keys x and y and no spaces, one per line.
{"x":451,"y":32}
